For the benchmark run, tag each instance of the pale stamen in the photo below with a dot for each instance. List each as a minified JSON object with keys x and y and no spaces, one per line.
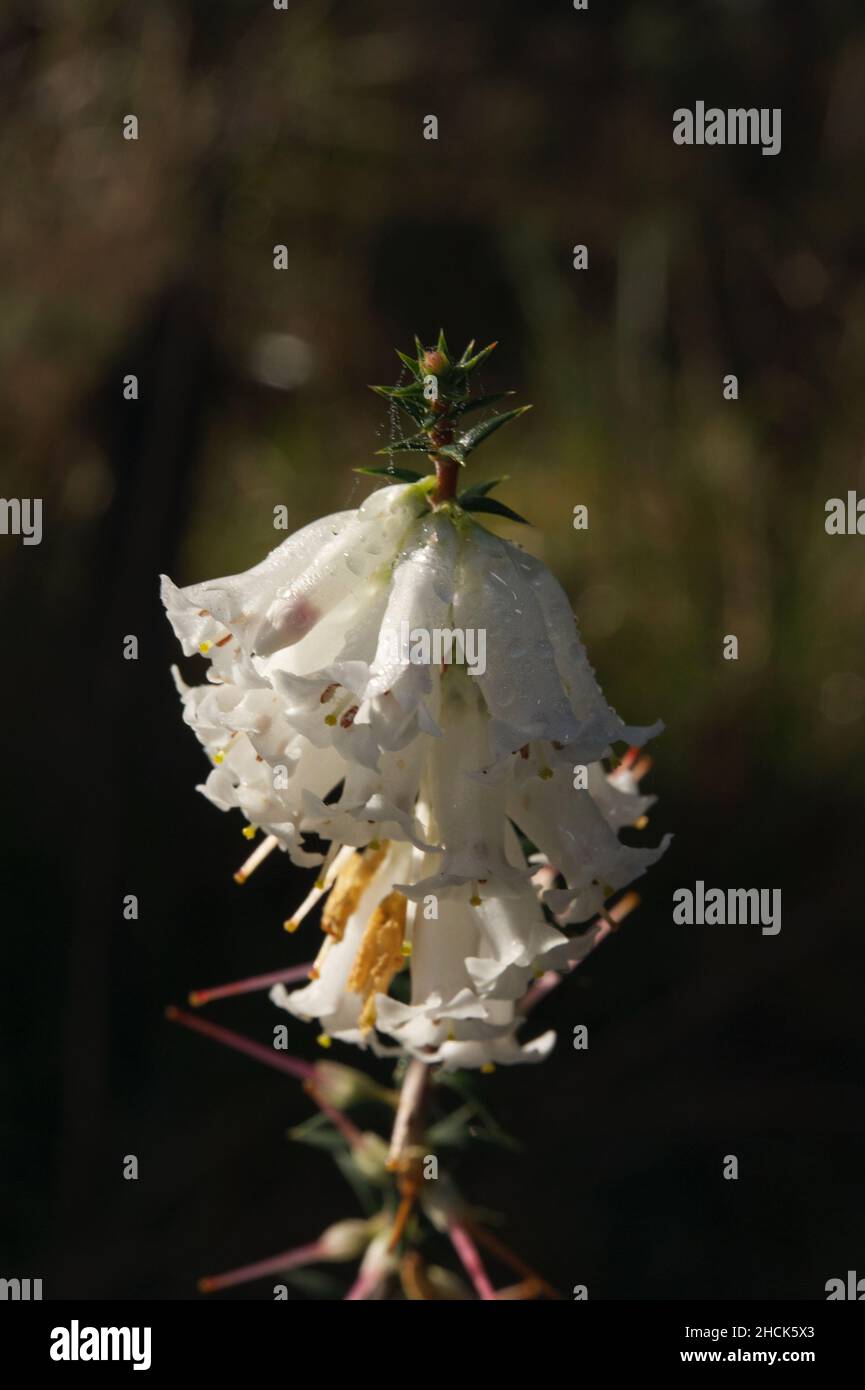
{"x":258,"y":856}
{"x":337,"y":857}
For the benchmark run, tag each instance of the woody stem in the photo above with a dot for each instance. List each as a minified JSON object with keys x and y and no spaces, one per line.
{"x":447,"y":471}
{"x":407,"y":1121}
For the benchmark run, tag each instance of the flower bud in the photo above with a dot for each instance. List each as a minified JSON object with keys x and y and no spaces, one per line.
{"x":345,"y":1240}
{"x":370,"y":1158}
{"x":379,"y":1260}
{"x":434,"y":363}
{"x":342,"y":1086}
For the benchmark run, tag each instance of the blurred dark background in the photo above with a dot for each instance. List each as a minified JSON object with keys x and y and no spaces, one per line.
{"x":155,"y":257}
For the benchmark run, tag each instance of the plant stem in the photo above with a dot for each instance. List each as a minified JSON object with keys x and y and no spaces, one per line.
{"x":471,"y":1260}
{"x":407,"y":1121}
{"x":447,"y":472}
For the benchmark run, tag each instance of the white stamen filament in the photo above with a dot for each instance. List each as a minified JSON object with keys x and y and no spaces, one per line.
{"x":259,"y":854}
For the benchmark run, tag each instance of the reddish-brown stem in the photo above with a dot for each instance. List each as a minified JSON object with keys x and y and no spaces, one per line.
{"x":447,"y":472}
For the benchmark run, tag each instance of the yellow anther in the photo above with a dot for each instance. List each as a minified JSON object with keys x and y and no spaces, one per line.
{"x":290,"y":925}
{"x":204,"y":647}
{"x":488,"y":1068}
{"x":324,"y":1040}
{"x":406,"y":949}
{"x":348,"y":888}
{"x":330,"y":719}
{"x":545,"y":774}
{"x":219,"y":757}
{"x":641,"y":823}
{"x":474,"y":900}
{"x":249,"y":832}
{"x":379,"y":955}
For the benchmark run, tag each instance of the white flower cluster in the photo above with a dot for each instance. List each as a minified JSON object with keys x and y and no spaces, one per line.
{"x":428,"y":781}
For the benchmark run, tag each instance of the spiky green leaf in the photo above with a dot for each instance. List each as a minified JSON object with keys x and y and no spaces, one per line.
{"x":480,"y":490}
{"x":494,"y":507}
{"x":480,"y":402}
{"x":464,"y":1085}
{"x":412,"y":444}
{"x":398,"y":393}
{"x":319,"y":1133}
{"x":368,"y":1199}
{"x":402,"y":475}
{"x":452,"y":451}
{"x":469,"y":441}
{"x":468,"y":364}
{"x":413,"y":366}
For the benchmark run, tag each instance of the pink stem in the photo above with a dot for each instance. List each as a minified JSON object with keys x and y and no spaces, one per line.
{"x":598,"y":932}
{"x":550,"y":978}
{"x":289,"y":1259}
{"x":293,"y":1066}
{"x":471,"y":1260}
{"x":276,"y":977}
{"x":364,"y":1285}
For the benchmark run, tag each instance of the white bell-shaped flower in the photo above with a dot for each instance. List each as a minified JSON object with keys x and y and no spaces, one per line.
{"x":400,"y":682}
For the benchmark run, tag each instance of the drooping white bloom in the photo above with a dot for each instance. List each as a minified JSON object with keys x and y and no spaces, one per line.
{"x":437,"y":783}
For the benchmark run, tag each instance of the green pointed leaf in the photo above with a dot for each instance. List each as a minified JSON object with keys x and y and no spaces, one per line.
{"x":403,"y":475}
{"x":452,"y":1131}
{"x":412,"y":444}
{"x":416,"y":409}
{"x":453,"y":389}
{"x":368,"y":1199}
{"x":469,"y":364}
{"x":441,"y":345}
{"x":413,"y":404}
{"x":467,"y":353}
{"x":464,"y":1085}
{"x":413,"y":366}
{"x":479,"y":489}
{"x":494,"y":507}
{"x":318,"y":1132}
{"x":470,"y":441}
{"x":480,"y":402}
{"x":451,"y":451}
{"x":398,"y":393}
